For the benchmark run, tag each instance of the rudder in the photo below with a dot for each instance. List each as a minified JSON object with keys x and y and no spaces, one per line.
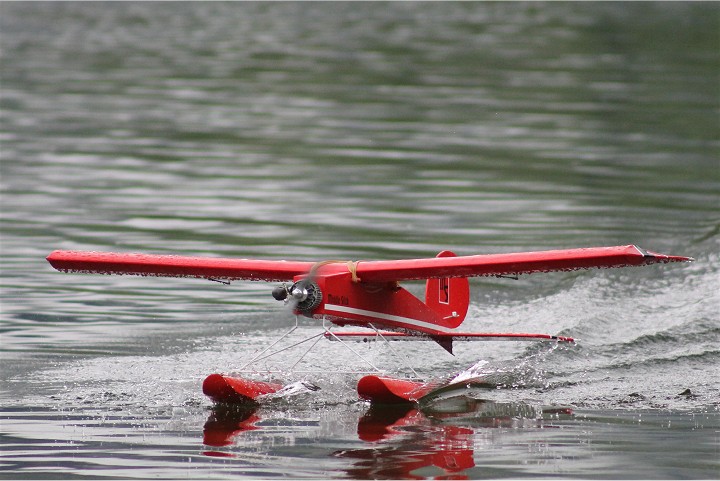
{"x":449,"y":297}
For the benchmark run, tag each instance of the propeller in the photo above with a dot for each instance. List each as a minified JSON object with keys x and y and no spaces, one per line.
{"x":304,"y":295}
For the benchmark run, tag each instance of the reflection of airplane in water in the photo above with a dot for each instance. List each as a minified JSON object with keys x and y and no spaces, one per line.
{"x":404,"y":440}
{"x":437,"y":438}
{"x":225,"y":423}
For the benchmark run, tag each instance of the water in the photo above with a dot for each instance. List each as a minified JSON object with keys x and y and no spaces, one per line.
{"x":359,"y":131}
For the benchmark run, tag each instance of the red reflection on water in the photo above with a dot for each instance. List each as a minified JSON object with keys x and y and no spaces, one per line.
{"x":405,"y":440}
{"x":401,"y":439}
{"x":226,"y":423}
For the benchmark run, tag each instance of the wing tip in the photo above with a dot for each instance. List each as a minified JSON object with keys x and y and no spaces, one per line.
{"x":664,"y":258}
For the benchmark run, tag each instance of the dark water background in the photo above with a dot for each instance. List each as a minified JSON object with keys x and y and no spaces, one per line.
{"x":359,"y":131}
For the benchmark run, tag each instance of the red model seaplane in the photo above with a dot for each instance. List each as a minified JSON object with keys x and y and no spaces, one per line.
{"x":364,"y":294}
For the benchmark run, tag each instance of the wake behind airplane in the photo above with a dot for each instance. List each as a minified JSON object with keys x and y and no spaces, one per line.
{"x":364,"y":294}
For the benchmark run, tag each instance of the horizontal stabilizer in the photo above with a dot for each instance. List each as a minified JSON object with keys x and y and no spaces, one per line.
{"x":366,"y":336}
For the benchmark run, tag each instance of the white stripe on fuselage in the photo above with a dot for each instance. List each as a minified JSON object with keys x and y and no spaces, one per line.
{"x":388,"y":317}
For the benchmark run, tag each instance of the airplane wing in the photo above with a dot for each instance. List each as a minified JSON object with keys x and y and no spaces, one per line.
{"x":364,"y":271}
{"x":176,"y":266}
{"x":510,"y":264}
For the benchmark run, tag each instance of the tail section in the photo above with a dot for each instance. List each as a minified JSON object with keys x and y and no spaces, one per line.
{"x":449,"y":297}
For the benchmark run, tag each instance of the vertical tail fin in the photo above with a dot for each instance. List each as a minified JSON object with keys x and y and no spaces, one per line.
{"x":449,"y":297}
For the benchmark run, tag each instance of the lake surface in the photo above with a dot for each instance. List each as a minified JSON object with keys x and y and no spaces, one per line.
{"x":316,"y":131}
